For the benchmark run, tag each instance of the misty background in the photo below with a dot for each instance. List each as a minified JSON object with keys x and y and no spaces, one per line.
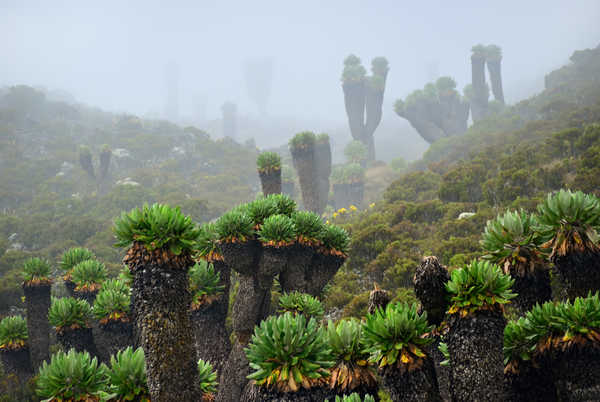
{"x":183,"y":60}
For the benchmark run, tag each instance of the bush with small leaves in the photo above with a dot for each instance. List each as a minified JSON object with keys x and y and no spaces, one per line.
{"x":478,"y":286}
{"x":157,"y":227}
{"x":268,"y":161}
{"x":127,"y":377}
{"x":72,"y":376}
{"x":111,"y":305}
{"x":13,"y":333}
{"x":301,"y":303}
{"x":207,"y":377}
{"x":205,"y":284}
{"x":277,"y":230}
{"x":397,"y":336}
{"x":36,"y":271}
{"x":288,"y":352}
{"x":69,"y":312}
{"x":89,"y":275}
{"x":234,"y":226}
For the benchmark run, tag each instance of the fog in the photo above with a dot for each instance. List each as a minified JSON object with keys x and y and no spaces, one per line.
{"x":120,"y":55}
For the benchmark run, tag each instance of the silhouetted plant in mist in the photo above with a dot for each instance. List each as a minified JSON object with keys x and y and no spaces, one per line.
{"x":229,"y":111}
{"x":493,"y":58}
{"x":363,"y":95}
{"x":436,"y":111}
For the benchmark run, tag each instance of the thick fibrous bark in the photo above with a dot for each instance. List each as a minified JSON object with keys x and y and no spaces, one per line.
{"x":304,"y":162}
{"x":113,"y":337}
{"x":80,"y":339}
{"x":479,"y":102}
{"x":17,"y":362}
{"x":161,"y":287}
{"x":494,"y":68}
{"x":354,"y":101}
{"x":254,"y":393}
{"x":419,"y":385}
{"x":251,"y":304}
{"x":212,"y":338}
{"x":89,"y":297}
{"x":430,"y":288}
{"x":378,"y":299}
{"x":323,"y":171}
{"x":531,"y":289}
{"x":235,"y":370}
{"x":242,"y":257}
{"x":70,"y":285}
{"x":532,"y":383}
{"x":248,"y":309}
{"x":475,"y":346}
{"x":38,"y":302}
{"x":323,"y":269}
{"x":577,"y":373}
{"x":299,"y":263}
{"x":580,"y":272}
{"x":271,"y":182}
{"x":442,"y":373}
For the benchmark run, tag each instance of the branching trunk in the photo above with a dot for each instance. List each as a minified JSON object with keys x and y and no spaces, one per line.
{"x":494,"y":68}
{"x":479,"y":102}
{"x":354,"y":101}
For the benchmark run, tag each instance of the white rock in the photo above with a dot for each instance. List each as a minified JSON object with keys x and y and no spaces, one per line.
{"x":464,"y":215}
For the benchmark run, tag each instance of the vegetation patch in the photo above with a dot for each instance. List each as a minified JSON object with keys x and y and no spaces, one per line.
{"x":13,"y":333}
{"x":478,"y":286}
{"x":157,"y":227}
{"x":301,"y":303}
{"x":396,"y":336}
{"x":205,"y":284}
{"x":36,"y":271}
{"x":288,"y":352}
{"x":69,"y":313}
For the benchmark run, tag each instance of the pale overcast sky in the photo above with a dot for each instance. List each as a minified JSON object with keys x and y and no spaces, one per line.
{"x":113,"y":54}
